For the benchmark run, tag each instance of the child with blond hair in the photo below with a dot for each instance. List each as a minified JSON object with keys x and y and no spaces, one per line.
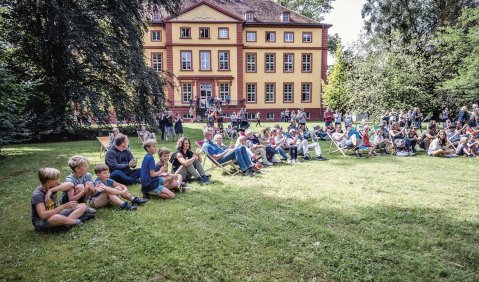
{"x":78,"y":186}
{"x":46,"y":215}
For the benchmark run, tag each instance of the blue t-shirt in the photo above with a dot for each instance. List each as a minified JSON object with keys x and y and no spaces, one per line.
{"x":148,"y":183}
{"x":212,"y":148}
{"x":108,"y":183}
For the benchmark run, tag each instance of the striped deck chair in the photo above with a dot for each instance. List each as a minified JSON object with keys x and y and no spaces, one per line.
{"x":215,"y":164}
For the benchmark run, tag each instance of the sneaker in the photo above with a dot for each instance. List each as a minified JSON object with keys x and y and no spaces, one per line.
{"x":249,"y":172}
{"x":275,"y":160}
{"x":204,"y":180}
{"x":307,"y":158}
{"x":321,"y":158}
{"x":289,"y":161}
{"x":267,"y":163}
{"x":127,"y":206}
{"x":139,"y":201}
{"x":255,"y":170}
{"x":86,"y":217}
{"x":90,"y":211}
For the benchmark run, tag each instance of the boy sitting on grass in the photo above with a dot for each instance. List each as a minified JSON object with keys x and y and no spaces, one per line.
{"x":78,"y":186}
{"x":171,"y":181}
{"x":48,"y":216}
{"x":151,"y":180}
{"x":110,"y":191}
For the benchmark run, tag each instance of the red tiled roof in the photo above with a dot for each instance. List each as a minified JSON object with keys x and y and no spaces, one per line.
{"x":264,"y":11}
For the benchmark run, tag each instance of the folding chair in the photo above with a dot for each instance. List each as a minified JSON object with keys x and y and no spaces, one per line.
{"x":215,"y":164}
{"x":104,"y":144}
{"x":141,"y":141}
{"x":338,"y":146}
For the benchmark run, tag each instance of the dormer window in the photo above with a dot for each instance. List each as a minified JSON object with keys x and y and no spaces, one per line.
{"x":156,"y":16}
{"x":249,"y":16}
{"x":285,"y":17}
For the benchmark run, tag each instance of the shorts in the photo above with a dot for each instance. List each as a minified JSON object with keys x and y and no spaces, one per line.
{"x":157,"y":190}
{"x":346,"y":144}
{"x":44,"y":225}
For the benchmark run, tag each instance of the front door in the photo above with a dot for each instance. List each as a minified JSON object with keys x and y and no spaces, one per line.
{"x":205,"y":94}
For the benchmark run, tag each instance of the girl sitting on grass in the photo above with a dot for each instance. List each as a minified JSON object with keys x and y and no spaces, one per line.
{"x":437,"y":147}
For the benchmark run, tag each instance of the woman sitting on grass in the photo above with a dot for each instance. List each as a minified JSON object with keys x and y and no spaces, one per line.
{"x":437,"y":147}
{"x":186,"y":163}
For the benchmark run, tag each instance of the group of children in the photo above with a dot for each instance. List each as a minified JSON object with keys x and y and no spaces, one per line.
{"x":82,"y":195}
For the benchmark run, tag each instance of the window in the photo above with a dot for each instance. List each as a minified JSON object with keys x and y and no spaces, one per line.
{"x":186,"y":60}
{"x":307,"y":37}
{"x":251,"y":116}
{"x":155,"y":35}
{"x":186,"y":92}
{"x":223,"y":33}
{"x":156,"y":16}
{"x":287,"y":93}
{"x":270,"y":116}
{"x":270,"y":36}
{"x":224,"y":60}
{"x":251,"y":36}
{"x":285,"y":17}
{"x":306,"y":92}
{"x":249,"y":16}
{"x":288,"y":63}
{"x":250,"y":62}
{"x":269,"y":89}
{"x":224,"y":90}
{"x":251,"y":93}
{"x":306,"y":65}
{"x":204,"y":32}
{"x":289,"y":37}
{"x":157,"y":61}
{"x":269,"y":62}
{"x":205,"y":60}
{"x":185,"y":32}
{"x":308,"y":115}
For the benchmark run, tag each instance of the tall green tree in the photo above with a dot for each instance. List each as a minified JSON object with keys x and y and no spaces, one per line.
{"x":336,"y":94}
{"x":88,"y":58}
{"x":314,"y":9}
{"x":459,"y":48}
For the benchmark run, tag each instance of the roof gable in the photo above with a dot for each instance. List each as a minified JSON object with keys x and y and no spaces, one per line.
{"x":204,"y":11}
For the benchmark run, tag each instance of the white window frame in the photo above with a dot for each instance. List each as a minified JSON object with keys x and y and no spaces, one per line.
{"x":203,"y":31}
{"x":288,"y":92}
{"x":224,"y":90}
{"x":250,"y":64}
{"x":251,"y":36}
{"x":250,"y":94}
{"x":273,"y":39}
{"x":184,"y":30}
{"x":288,"y":36}
{"x":308,"y":36}
{"x":157,"y":62}
{"x":288,"y":62}
{"x":205,"y":61}
{"x":186,"y":94}
{"x":270,"y":65}
{"x":249,"y":16}
{"x":306,"y":65}
{"x":156,"y":35}
{"x":186,"y":60}
{"x":223,"y":33}
{"x":223,"y":64}
{"x":269,"y":92}
{"x":269,"y":116}
{"x":308,"y":92}
{"x":285,"y":17}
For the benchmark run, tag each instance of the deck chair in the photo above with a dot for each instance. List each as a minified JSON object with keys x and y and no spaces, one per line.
{"x":343,"y":150}
{"x":141,"y":140}
{"x":215,"y":164}
{"x":104,"y":144}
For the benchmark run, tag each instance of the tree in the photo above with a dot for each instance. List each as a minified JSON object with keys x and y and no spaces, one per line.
{"x":413,"y":19}
{"x":88,"y":58}
{"x":314,"y":9}
{"x":335,"y":92}
{"x":458,"y":46}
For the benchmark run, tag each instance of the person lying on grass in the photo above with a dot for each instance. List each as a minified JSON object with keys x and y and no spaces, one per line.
{"x":48,"y":216}
{"x":110,"y":191}
{"x":78,"y":186}
{"x":151,"y":180}
{"x":170,"y":180}
{"x":239,"y":154}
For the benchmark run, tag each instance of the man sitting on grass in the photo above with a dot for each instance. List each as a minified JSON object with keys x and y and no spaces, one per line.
{"x":46,"y":215}
{"x":122,"y":163}
{"x":239,"y":154}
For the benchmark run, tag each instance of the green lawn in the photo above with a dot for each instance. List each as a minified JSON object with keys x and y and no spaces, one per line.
{"x":384,"y":218}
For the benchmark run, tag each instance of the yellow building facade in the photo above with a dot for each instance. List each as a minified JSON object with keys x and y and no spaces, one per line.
{"x":254,"y":54}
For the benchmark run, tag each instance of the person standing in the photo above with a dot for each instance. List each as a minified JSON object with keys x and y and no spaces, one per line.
{"x":258,"y":119}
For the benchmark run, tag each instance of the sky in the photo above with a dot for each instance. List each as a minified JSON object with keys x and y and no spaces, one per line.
{"x":346,"y":20}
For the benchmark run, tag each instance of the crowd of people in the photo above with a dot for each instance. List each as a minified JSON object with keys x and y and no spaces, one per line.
{"x":82,"y":195}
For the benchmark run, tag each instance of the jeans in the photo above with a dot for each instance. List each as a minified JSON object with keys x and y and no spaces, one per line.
{"x":128,"y":177}
{"x":282,"y":152}
{"x":293,"y":152}
{"x":241,"y":156}
{"x":195,"y":169}
{"x":169,"y":131}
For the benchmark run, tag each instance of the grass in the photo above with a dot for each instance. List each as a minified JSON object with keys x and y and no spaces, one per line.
{"x":385,"y":218}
